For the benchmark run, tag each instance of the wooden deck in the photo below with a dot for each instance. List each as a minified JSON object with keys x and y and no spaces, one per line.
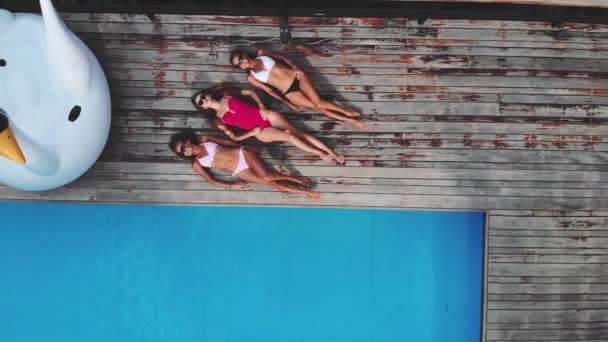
{"x":506,"y":117}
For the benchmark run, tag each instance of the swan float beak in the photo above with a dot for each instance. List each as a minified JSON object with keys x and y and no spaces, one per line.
{"x":9,"y":147}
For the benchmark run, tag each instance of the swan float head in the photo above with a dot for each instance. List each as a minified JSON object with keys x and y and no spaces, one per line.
{"x":54,"y":102}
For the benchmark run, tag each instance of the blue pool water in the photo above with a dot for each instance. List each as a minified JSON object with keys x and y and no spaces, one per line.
{"x":138,"y":273}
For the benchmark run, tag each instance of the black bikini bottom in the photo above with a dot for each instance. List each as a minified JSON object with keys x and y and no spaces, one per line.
{"x":295,"y":86}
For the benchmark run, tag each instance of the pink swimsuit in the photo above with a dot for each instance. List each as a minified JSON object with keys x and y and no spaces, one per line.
{"x":243,"y":115}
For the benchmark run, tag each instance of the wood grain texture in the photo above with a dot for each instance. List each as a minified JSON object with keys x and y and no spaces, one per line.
{"x":547,"y":275}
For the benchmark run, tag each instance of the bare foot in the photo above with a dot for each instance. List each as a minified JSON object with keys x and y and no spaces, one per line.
{"x":338,"y":158}
{"x":302,"y":180}
{"x":325,"y":156}
{"x":313,"y":195}
{"x":354,"y":114}
{"x":360,"y":125}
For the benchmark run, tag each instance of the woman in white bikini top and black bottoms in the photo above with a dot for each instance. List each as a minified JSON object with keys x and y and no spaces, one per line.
{"x":208,"y":151}
{"x":283,"y":80}
{"x":263,"y":75}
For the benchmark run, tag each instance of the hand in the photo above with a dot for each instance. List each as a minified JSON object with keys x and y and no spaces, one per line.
{"x":256,"y":131}
{"x":299,"y":74}
{"x":264,"y":113}
{"x":230,"y":134}
{"x":238,"y":185}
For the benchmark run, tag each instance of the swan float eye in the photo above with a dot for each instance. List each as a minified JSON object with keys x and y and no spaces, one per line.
{"x":2,"y":62}
{"x":74,"y":113}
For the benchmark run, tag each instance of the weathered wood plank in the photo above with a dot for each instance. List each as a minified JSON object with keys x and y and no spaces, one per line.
{"x":560,"y":325}
{"x":376,"y":60}
{"x":329,"y":21}
{"x":195,"y":29}
{"x":519,"y":269}
{"x":550,"y":259}
{"x":549,"y":233}
{"x":308,"y":46}
{"x":549,"y":316}
{"x":548,"y":280}
{"x":550,"y":223}
{"x":361,"y":153}
{"x":163,"y":77}
{"x":223,"y":197}
{"x":550,"y":213}
{"x":171,"y":88}
{"x":568,"y":297}
{"x":547,"y":251}
{"x":508,"y":96}
{"x":123,"y":134}
{"x":146,"y":71}
{"x":499,"y":112}
{"x":194,"y":182}
{"x":477,"y":185}
{"x":546,"y":334}
{"x":215,"y":44}
{"x":371,"y":172}
{"x":551,"y":242}
{"x":364,"y":144}
{"x":388,"y":126}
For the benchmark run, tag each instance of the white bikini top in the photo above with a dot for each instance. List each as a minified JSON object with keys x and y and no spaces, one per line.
{"x":207,"y":161}
{"x":263,"y":75}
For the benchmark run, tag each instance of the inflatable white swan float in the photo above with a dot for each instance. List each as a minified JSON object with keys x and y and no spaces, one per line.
{"x":54,"y":102}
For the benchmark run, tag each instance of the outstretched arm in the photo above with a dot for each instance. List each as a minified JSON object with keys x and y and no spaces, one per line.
{"x":224,"y":128}
{"x":244,"y":136}
{"x":209,"y":178}
{"x":254,"y":96}
{"x":218,"y":140}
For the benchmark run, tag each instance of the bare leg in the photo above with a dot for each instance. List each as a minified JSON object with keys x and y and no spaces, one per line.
{"x":314,"y":141}
{"x":271,"y":134}
{"x":299,"y":98}
{"x":249,"y":175}
{"x":309,"y":89}
{"x":278,"y":121}
{"x":341,"y":109}
{"x":256,"y":163}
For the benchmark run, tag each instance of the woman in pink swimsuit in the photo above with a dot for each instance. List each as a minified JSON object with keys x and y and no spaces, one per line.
{"x":259,"y":122}
{"x":208,"y":151}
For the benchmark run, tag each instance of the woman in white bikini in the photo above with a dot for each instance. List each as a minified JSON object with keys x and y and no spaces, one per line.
{"x":282,"y":79}
{"x":208,"y":151}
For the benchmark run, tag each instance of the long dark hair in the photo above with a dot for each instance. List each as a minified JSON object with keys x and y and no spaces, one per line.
{"x":240,"y":53}
{"x":187,"y":134}
{"x":216,"y":94}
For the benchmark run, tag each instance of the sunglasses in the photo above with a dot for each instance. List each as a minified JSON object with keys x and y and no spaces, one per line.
{"x":182,"y":150}
{"x":200,"y":101}
{"x":239,"y":62}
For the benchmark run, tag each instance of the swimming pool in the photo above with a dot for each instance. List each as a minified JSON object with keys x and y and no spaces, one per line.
{"x":153,"y":273}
